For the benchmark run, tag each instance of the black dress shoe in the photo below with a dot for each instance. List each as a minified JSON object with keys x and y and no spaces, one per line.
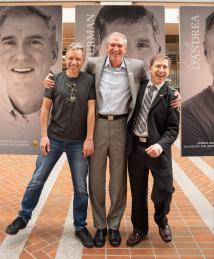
{"x":114,"y":237}
{"x":99,"y":238}
{"x":85,"y":237}
{"x":135,"y":238}
{"x":15,"y":226}
{"x":165,"y":233}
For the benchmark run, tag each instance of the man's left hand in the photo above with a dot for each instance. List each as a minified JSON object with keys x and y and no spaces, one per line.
{"x":153,"y":151}
{"x":88,"y":148}
{"x":176,"y":103}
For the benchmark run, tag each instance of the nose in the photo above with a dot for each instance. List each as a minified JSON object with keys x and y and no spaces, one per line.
{"x":161,"y":69}
{"x":73,"y":62}
{"x":21,"y":52}
{"x":115,"y":48}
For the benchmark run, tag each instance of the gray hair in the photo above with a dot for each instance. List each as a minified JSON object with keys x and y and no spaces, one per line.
{"x":123,"y":15}
{"x":76,"y":46}
{"x":118,"y":34}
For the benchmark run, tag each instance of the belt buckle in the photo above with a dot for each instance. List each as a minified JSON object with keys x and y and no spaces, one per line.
{"x":110,"y":117}
{"x":142,"y":139}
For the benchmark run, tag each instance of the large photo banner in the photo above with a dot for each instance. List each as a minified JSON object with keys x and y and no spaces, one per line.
{"x":30,"y":46}
{"x":143,"y":27}
{"x":196,"y":80}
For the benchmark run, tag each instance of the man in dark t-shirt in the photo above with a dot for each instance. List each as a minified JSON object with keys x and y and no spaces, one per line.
{"x":72,"y":106}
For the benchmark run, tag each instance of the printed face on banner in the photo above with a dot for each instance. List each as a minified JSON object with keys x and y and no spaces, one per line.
{"x":141,"y":42}
{"x":30,"y":38}
{"x":26,"y":57}
{"x":143,"y":27}
{"x":197,"y":80}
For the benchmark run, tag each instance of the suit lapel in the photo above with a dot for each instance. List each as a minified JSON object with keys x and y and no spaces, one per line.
{"x":140,"y":96}
{"x":133,"y":86}
{"x":98,"y":74}
{"x":130,"y":74}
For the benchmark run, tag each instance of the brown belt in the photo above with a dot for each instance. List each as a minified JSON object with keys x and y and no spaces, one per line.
{"x":112,"y":117}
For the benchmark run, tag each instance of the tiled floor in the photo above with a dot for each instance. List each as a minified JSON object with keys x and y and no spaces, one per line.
{"x":50,"y":234}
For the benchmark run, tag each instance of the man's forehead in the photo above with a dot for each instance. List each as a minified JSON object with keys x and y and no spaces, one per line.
{"x":123,"y":24}
{"x":161,"y":61}
{"x":23,"y":29}
{"x":75,"y":52}
{"x":116,"y":39}
{"x":142,"y":30}
{"x":16,"y":21}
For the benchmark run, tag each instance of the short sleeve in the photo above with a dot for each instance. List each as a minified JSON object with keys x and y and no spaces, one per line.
{"x":92,"y":93}
{"x":49,"y":93}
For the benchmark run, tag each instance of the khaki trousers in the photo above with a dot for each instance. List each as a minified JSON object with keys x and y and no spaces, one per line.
{"x":109,"y":141}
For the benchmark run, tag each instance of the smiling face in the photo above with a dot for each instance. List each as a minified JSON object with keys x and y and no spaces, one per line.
{"x":74,"y":60}
{"x":116,"y":49}
{"x":26,"y":57}
{"x":159,"y":71}
{"x":141,"y":42}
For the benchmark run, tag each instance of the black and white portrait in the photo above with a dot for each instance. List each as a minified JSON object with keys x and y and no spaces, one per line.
{"x":30,"y":46}
{"x":197,"y":80}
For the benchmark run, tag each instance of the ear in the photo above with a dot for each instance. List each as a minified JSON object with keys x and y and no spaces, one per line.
{"x":126,"y":49}
{"x":205,"y":52}
{"x":205,"y":48}
{"x":106,"y":46}
{"x":54,"y":53}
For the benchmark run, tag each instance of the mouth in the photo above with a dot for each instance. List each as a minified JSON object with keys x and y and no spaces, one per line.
{"x":73,"y":66}
{"x":161,"y":76}
{"x":22,"y":70}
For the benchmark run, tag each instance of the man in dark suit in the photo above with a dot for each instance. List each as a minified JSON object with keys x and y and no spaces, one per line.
{"x":152,"y":129}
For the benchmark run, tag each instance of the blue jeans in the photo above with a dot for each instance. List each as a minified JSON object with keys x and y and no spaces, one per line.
{"x":79,"y":170}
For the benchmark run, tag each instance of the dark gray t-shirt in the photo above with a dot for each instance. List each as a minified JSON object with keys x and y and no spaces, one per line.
{"x":69,"y":120}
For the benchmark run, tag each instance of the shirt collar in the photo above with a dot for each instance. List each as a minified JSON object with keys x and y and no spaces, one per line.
{"x":14,"y":113}
{"x":157,"y":86}
{"x":108,"y":63}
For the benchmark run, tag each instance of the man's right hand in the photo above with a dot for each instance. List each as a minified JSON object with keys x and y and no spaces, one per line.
{"x":45,"y":145}
{"x":48,"y":83}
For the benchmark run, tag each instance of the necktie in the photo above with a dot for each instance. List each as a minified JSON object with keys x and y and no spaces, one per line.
{"x":141,"y":120}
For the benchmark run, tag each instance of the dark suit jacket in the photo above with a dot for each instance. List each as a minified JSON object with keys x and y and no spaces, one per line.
{"x":162,"y":121}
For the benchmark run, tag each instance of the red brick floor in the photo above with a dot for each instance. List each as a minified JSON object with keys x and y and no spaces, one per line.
{"x":192,"y":239}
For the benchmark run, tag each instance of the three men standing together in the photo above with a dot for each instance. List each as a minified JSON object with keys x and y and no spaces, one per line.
{"x":117,"y":81}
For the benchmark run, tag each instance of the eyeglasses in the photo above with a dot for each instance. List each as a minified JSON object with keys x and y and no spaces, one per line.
{"x":72,"y":98}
